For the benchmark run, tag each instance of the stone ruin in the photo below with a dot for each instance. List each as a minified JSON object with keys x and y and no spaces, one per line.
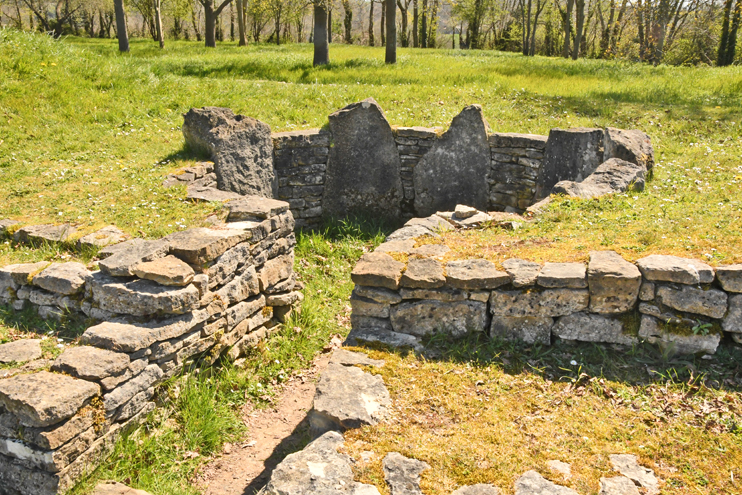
{"x":360,"y":163}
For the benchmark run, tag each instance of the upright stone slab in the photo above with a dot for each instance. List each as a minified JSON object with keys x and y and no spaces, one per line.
{"x":570,"y":154}
{"x":241,"y":147}
{"x":456,"y":168}
{"x":363,"y":166}
{"x":631,"y":145}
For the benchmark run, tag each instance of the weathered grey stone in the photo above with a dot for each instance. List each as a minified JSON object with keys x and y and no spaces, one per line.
{"x":532,"y":483}
{"x":523,"y":273}
{"x":200,"y":245}
{"x":399,"y":246}
{"x":444,"y":294}
{"x":462,"y":212}
{"x":53,"y":437}
{"x":120,"y":259}
{"x":113,"y":488}
{"x":365,"y":333}
{"x":244,"y":310}
{"x":43,"y":398}
{"x":611,"y":176}
{"x":102,"y":238}
{"x":366,"y":307}
{"x":363,"y":166}
{"x":562,"y":275}
{"x":417,"y":132}
{"x":631,"y":145}
{"x":733,"y":320}
{"x":377,"y":270}
{"x":402,"y":474}
{"x":474,"y":275}
{"x":168,"y":271}
{"x":383,"y":296}
{"x":614,"y":283}
{"x":275,"y":271}
{"x":570,"y":154}
{"x":478,"y":489}
{"x":5,"y":226}
{"x":254,"y":208}
{"x":20,"y":351}
{"x":665,"y":268}
{"x":127,"y":337}
{"x":425,"y":317}
{"x":433,"y":223}
{"x":655,"y":331}
{"x":241,"y":147}
{"x":91,"y":363}
{"x":550,"y":302}
{"x":39,"y":234}
{"x":411,"y":232}
{"x":563,"y":468}
{"x":346,"y":398}
{"x":646,"y":292}
{"x":528,"y":329}
{"x":135,"y":404}
{"x":588,"y":327}
{"x":286,"y":299}
{"x":63,"y":278}
{"x":229,"y":264}
{"x":628,"y":465}
{"x":423,"y":273}
{"x":210,"y":194}
{"x":12,"y":277}
{"x":456,"y":167}
{"x":142,"y":297}
{"x":317,"y":469}
{"x":618,"y":485}
{"x":430,"y":251}
{"x":712,"y":302}
{"x":348,"y":358}
{"x":730,"y":277}
{"x":125,"y":392}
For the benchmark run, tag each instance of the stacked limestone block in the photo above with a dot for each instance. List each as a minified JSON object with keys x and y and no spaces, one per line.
{"x":516,"y":165}
{"x":678,"y":303}
{"x":196,"y":294}
{"x":300,"y":161}
{"x":412,"y":144}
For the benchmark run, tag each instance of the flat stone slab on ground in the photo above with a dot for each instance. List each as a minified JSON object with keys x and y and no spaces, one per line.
{"x":317,"y":469}
{"x":120,"y":259}
{"x":562,"y":275}
{"x":91,"y":363}
{"x":63,"y":278}
{"x":399,"y":246}
{"x":402,"y":474}
{"x":411,"y":232}
{"x":614,"y":282}
{"x":201,"y":245}
{"x":523,"y":273}
{"x":43,"y":398}
{"x":478,"y":489}
{"x":532,"y":483}
{"x":102,"y":238}
{"x":475,"y":275}
{"x":628,"y":465}
{"x":350,"y":358}
{"x":618,"y":485}
{"x":560,"y":467}
{"x":360,"y":335}
{"x":347,"y":397}
{"x":666,"y":268}
{"x":20,"y":351}
{"x":378,"y":270}
{"x":430,"y":251}
{"x":112,"y":488}
{"x":44,"y":233}
{"x":169,"y":271}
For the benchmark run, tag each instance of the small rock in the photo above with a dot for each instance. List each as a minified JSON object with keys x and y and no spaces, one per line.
{"x":411,"y":232}
{"x":631,"y":145}
{"x":5,"y":226}
{"x":523,"y":273}
{"x":402,"y":474}
{"x":479,"y":489}
{"x":165,"y":271}
{"x":434,"y":223}
{"x":730,"y":277}
{"x":20,"y":351}
{"x":462,"y":212}
{"x":102,"y":238}
{"x":665,"y":268}
{"x":383,"y":296}
{"x":562,"y":275}
{"x":628,"y":465}
{"x":113,"y":488}
{"x":120,"y":259}
{"x":367,"y":307}
{"x":63,"y":278}
{"x":532,"y":483}
{"x":619,"y":485}
{"x":474,"y":275}
{"x":560,"y":467}
{"x":378,"y":270}
{"x":473,"y":221}
{"x":423,"y":273}
{"x":38,"y":234}
{"x":91,"y":363}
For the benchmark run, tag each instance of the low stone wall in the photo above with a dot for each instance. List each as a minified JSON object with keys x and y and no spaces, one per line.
{"x":684,"y":305}
{"x":196,"y":294}
{"x":363,"y":164}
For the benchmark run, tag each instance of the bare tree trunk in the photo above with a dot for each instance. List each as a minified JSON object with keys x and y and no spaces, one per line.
{"x":403,"y":39}
{"x":580,"y":5}
{"x":391,"y":32}
{"x":121,"y":31}
{"x":241,"y":23}
{"x":371,"y":24}
{"x":321,"y":48}
{"x":424,"y":26}
{"x":415,"y":26}
{"x":568,"y":28}
{"x":158,"y":24}
{"x":348,"y":22}
{"x":383,"y":22}
{"x":329,"y":23}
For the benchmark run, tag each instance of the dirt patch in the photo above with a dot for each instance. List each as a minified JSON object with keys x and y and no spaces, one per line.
{"x":244,"y":467}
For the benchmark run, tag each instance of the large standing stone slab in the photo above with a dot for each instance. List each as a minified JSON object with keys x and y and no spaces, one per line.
{"x":532,"y":483}
{"x":570,"y":154}
{"x":91,"y":363}
{"x":346,"y":398}
{"x":588,"y":327}
{"x":378,"y":270}
{"x":20,"y":351}
{"x":611,"y":176}
{"x":474,"y":275}
{"x":456,"y":167}
{"x":402,"y":474}
{"x":241,"y":148}
{"x":43,"y":398}
{"x":363,"y":166}
{"x":425,"y":317}
{"x":39,"y":234}
{"x":120,"y":259}
{"x":631,"y":145}
{"x":63,"y":278}
{"x":614,"y":283}
{"x":667,"y":268}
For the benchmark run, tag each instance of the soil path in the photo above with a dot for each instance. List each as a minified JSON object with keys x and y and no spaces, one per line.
{"x":243,"y":468}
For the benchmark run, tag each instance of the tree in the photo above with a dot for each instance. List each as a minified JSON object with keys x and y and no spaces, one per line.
{"x":403,"y":9}
{"x":321,"y":46}
{"x":424,"y":25}
{"x":121,"y":30}
{"x":52,"y":22}
{"x":579,"y":28}
{"x":241,"y":15}
{"x":529,"y":22}
{"x":391,"y":32}
{"x":210,"y":17}
{"x":348,"y":21}
{"x":415,"y":24}
{"x":729,"y":28}
{"x":158,"y":24}
{"x":371,"y":23}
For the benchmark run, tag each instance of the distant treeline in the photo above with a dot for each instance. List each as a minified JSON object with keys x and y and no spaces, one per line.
{"x":653,"y":31}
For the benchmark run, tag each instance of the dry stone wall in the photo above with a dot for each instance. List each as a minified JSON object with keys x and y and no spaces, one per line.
{"x":197,"y":294}
{"x":363,"y":164}
{"x":683,"y":305}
